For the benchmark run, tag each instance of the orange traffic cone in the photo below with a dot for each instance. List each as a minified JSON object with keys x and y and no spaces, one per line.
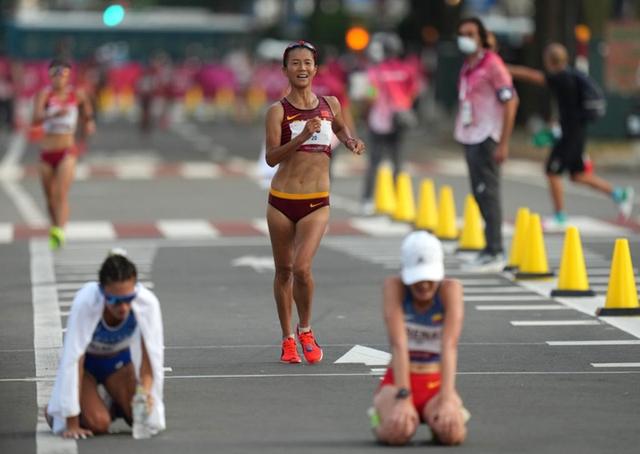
{"x":519,"y":239}
{"x":472,"y":237}
{"x":405,"y":205}
{"x":622,"y":296}
{"x":446,"y":229}
{"x":427,"y":217}
{"x":573,"y":280}
{"x":385,"y":194}
{"x":534,"y":263}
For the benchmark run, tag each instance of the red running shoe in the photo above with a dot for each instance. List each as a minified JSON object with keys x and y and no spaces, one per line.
{"x":310,"y":348}
{"x":290,"y":351}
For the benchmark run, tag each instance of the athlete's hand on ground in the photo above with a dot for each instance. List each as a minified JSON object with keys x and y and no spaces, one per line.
{"x":403,"y":419}
{"x":312,"y":126}
{"x":76,"y":433}
{"x":501,"y":153}
{"x":447,"y":415}
{"x":355,"y":145}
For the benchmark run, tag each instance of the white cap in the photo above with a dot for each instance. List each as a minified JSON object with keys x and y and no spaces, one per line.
{"x":422,"y":258}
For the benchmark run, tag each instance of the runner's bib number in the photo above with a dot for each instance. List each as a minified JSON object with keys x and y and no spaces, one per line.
{"x":319,"y":138}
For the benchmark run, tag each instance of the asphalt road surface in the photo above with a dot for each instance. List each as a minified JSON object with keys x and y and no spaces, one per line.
{"x":538,"y":375}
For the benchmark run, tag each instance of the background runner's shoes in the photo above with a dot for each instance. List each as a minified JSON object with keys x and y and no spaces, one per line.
{"x":310,"y":348}
{"x":56,"y":238}
{"x":624,"y":198}
{"x":290,"y":351}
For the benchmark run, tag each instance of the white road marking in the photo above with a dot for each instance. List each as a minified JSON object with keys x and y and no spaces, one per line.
{"x":348,"y":374}
{"x":554,"y":322}
{"x":380,"y":226}
{"x":75,"y":285}
{"x":587,"y":305}
{"x":134,"y":170}
{"x":258,"y":264}
{"x":504,"y":298}
{"x":6,"y":232}
{"x":90,"y":230}
{"x":469,"y":290}
{"x":199,"y":170}
{"x":25,"y":204}
{"x":615,"y":364}
{"x":9,"y":179}
{"x":523,"y":307}
{"x":195,"y":228}
{"x":47,"y":340}
{"x":592,"y":343}
{"x":368,"y":356}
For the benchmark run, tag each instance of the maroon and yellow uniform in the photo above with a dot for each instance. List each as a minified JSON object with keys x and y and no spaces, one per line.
{"x":297,"y":206}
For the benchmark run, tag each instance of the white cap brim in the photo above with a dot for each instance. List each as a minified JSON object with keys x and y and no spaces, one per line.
{"x":430,"y":272}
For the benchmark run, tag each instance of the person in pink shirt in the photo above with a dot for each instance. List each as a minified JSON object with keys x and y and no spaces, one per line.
{"x":394,"y":86}
{"x":487,"y":104}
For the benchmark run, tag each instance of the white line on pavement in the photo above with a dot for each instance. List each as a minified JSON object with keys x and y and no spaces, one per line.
{"x":354,"y":374}
{"x":514,"y":298}
{"x":554,"y":322}
{"x":615,"y":364}
{"x":47,"y":340}
{"x":487,"y":290}
{"x":523,"y":307}
{"x":592,"y":343}
{"x":187,"y":229}
{"x":25,"y":204}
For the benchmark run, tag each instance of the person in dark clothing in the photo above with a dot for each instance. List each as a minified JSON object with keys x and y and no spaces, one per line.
{"x":567,"y":152}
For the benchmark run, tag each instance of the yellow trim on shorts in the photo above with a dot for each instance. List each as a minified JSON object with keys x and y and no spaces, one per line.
{"x":286,"y":195}
{"x":427,"y":368}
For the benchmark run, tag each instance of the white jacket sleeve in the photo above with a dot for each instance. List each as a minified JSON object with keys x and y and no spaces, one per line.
{"x":86,"y":311}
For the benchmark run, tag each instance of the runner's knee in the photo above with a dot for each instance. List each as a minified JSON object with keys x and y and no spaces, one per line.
{"x":96,"y":421}
{"x":284,"y":273}
{"x":302,"y":272}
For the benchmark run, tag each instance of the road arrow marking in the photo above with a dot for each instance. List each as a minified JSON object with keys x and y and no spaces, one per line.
{"x":360,"y":354}
{"x":259,"y":264}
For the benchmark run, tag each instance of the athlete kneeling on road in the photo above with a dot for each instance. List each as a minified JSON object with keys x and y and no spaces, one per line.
{"x":423,"y":313}
{"x":114,"y":334}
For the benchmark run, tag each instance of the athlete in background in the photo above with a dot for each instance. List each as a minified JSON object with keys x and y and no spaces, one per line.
{"x":57,"y":108}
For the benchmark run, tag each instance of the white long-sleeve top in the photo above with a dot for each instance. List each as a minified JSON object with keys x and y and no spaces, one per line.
{"x":86,"y":311}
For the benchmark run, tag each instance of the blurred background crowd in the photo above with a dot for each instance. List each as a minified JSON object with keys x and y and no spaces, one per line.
{"x":159,"y":62}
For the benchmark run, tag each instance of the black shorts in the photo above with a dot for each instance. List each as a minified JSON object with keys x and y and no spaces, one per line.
{"x":567,"y":154}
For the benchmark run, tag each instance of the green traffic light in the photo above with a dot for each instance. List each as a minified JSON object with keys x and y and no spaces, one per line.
{"x":113,"y":15}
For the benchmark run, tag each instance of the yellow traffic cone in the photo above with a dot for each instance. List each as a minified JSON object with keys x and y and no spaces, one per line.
{"x":519,"y":239}
{"x":405,"y":204}
{"x":446,"y":229}
{"x":534,"y":261}
{"x":573,"y":280}
{"x":385,"y":194}
{"x":427,"y":217}
{"x":472,"y":236}
{"x":622,"y":296}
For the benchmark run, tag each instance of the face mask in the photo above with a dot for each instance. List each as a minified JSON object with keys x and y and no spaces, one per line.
{"x":467,"y":45}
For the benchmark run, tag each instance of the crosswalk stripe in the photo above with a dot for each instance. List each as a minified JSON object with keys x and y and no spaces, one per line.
{"x":176,"y":229}
{"x":523,"y":307}
{"x":505,"y":298}
{"x":554,"y":322}
{"x":82,"y":230}
{"x":6,"y":232}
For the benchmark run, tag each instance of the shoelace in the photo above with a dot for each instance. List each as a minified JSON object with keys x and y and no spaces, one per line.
{"x":307,"y":338}
{"x":289,"y":346}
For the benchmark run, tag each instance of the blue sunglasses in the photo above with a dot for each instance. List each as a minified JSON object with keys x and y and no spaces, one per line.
{"x":118,"y":299}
